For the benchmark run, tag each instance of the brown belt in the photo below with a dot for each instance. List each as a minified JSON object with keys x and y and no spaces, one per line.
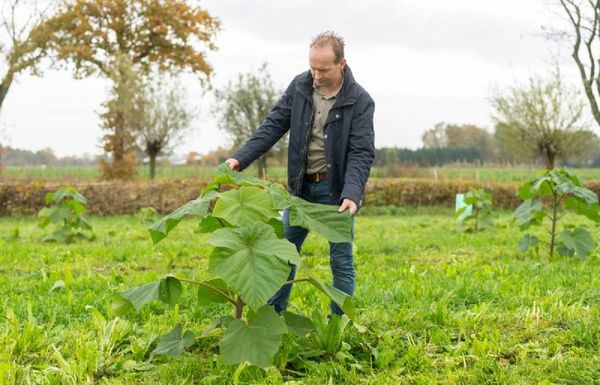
{"x":316,"y":177}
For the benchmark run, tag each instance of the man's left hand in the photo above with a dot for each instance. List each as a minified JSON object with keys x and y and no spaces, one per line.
{"x":348,"y":204}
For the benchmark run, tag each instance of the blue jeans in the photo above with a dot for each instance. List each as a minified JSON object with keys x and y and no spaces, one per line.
{"x":340,"y":254}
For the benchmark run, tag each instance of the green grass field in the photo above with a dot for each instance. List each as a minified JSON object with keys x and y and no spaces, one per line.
{"x":488,"y":174}
{"x":439,"y":307}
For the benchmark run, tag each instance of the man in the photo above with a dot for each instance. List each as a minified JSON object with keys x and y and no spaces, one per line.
{"x":331,"y":148}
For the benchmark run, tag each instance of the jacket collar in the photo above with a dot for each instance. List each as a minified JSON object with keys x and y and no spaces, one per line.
{"x":347,"y":93}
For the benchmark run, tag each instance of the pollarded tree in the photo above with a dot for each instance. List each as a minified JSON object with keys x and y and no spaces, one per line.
{"x":168,"y":35}
{"x":540,"y":120}
{"x":166,"y":118}
{"x":241,"y":107}
{"x":122,"y":119}
{"x":151,"y":113}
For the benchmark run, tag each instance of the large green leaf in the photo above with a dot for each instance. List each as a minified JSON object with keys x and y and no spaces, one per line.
{"x":198,"y":207}
{"x":280,"y":197}
{"x":245,"y":206}
{"x":590,"y":211}
{"x":277,"y":226}
{"x":579,"y":241}
{"x":227,"y":176}
{"x":44,"y":217}
{"x":167,"y":290}
{"x":59,"y":213}
{"x":77,"y":208}
{"x":567,"y":183}
{"x":542,"y":186}
{"x":528,"y":213}
{"x":81,"y":222}
{"x":252,"y":261}
{"x":343,"y":300}
{"x":539,"y":186}
{"x":219,"y":323}
{"x":65,"y":192}
{"x":207,"y":296}
{"x":587,"y":196}
{"x":526,"y":242}
{"x":255,"y":342}
{"x":61,"y":235}
{"x":210,"y":224}
{"x":298,"y":324}
{"x":324,"y":219}
{"x":174,"y":343}
{"x":563,"y":176}
{"x":525,"y":191}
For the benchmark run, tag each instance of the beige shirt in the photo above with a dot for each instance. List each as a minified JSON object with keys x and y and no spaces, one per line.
{"x":316,"y":149}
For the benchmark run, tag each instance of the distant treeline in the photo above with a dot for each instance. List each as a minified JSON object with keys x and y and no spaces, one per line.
{"x":451,"y":143}
{"x":385,"y":156}
{"x":434,"y":157}
{"x":16,"y":157}
{"x":426,"y":157}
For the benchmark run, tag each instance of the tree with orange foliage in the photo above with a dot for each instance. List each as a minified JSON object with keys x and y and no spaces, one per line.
{"x":163,"y":35}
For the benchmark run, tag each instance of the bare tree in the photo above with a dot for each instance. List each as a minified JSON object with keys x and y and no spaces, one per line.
{"x":22,"y":22}
{"x":444,"y":135}
{"x":242,"y":107}
{"x":166,"y":119}
{"x":584,"y":17}
{"x":435,"y":137}
{"x":540,"y":120}
{"x":22,"y":41}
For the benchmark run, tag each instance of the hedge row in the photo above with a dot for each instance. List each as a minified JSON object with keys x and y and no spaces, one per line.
{"x":424,"y":192}
{"x":104,"y":198}
{"x":109,"y":198}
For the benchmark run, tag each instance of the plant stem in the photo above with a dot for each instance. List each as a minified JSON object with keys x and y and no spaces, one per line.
{"x":554,"y":220}
{"x":211,"y":288}
{"x":297,"y":280}
{"x":239,"y":307}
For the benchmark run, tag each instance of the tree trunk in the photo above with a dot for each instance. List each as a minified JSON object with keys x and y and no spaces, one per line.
{"x":5,"y":85}
{"x":549,"y":159}
{"x":118,"y":139}
{"x":262,"y":167}
{"x":152,"y":165}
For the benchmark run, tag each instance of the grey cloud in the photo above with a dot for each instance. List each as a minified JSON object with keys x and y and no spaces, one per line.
{"x":492,"y":37}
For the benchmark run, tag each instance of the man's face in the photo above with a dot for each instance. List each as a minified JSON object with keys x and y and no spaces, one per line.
{"x":325,"y":71}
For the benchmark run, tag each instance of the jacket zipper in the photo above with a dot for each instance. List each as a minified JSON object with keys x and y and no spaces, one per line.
{"x":305,"y":150}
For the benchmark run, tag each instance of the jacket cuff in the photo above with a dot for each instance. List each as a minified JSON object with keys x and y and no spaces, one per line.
{"x":353,"y":193}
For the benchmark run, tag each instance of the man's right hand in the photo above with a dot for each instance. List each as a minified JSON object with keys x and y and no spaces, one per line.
{"x":234,"y":164}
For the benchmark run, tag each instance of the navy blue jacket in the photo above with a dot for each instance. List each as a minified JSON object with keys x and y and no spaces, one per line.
{"x":348,"y":134}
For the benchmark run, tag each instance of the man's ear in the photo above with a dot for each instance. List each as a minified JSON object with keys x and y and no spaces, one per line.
{"x":343,"y":63}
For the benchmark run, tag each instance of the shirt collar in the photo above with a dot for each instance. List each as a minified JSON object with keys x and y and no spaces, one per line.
{"x":335,"y":94}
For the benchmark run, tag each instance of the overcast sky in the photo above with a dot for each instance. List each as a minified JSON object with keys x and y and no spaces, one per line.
{"x":423,"y":62}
